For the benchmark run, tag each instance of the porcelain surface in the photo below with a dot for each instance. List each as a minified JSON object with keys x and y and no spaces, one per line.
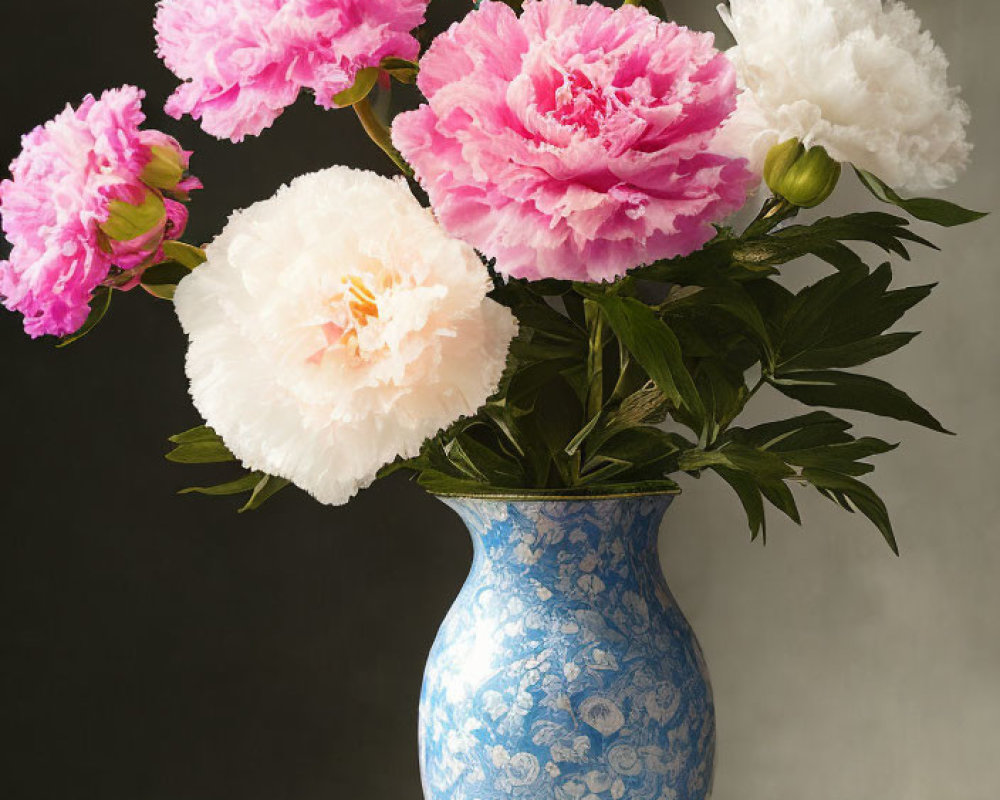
{"x":565,"y":669}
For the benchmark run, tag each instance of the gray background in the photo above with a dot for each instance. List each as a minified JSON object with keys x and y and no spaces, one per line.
{"x":840,"y":671}
{"x":162,"y":648}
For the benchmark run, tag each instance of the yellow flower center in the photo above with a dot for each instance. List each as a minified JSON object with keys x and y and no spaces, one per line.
{"x":353,"y":308}
{"x":360,"y":301}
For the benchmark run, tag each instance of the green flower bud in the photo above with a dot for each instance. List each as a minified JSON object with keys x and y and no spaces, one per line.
{"x":805,"y":178}
{"x":128,"y":221}
{"x":165,"y":168}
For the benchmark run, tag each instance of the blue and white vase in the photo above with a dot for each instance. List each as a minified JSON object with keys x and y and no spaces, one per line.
{"x":565,"y":669}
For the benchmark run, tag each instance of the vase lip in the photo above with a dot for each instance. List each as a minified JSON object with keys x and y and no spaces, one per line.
{"x":508,"y":496}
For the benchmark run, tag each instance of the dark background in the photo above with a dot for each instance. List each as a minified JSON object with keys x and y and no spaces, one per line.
{"x":155,"y":647}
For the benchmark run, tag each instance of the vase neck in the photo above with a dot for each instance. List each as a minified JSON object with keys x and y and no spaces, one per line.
{"x":538,"y":536}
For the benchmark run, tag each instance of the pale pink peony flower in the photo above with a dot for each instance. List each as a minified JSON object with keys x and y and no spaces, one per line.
{"x":575,"y":141}
{"x":64,"y":183}
{"x":245,"y":61}
{"x":335,"y":327}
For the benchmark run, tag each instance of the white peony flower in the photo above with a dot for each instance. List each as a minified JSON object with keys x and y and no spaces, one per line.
{"x":335,"y":327}
{"x":862,"y":80}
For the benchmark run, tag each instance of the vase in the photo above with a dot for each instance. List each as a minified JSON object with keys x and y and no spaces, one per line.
{"x":565,"y":668}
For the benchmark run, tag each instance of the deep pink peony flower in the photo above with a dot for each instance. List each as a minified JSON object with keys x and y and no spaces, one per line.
{"x":245,"y":61}
{"x":575,"y":141}
{"x":65,"y":183}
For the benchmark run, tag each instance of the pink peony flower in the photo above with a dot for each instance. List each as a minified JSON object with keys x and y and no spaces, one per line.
{"x":575,"y":141}
{"x":245,"y":61}
{"x":70,"y":176}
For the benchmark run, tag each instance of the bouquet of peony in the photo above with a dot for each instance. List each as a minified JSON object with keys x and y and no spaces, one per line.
{"x":576,"y":283}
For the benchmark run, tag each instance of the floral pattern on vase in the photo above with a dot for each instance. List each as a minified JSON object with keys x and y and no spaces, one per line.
{"x":565,"y":669}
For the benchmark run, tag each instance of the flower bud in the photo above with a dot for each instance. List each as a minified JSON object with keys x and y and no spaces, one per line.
{"x":130,"y":221}
{"x":804,"y":178}
{"x":167,"y":161}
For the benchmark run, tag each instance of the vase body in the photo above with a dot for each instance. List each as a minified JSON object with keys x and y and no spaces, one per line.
{"x":565,"y":669}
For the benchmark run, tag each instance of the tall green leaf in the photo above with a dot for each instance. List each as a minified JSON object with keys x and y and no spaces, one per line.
{"x":940,"y":212}
{"x":848,"y":492}
{"x":834,"y":389}
{"x":839,"y":321}
{"x":825,"y":236}
{"x":750,"y":496}
{"x":266,"y":488}
{"x":185,"y":254}
{"x":654,"y":346}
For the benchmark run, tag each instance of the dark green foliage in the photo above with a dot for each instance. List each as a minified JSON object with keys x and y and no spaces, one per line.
{"x":202,"y":445}
{"x":600,"y":377}
{"x":161,"y":280}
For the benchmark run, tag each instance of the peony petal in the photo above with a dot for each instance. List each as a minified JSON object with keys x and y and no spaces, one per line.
{"x":571,"y":142}
{"x":335,"y":327}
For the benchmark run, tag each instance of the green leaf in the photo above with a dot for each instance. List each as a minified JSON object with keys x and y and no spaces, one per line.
{"x":645,"y":453}
{"x":839,"y":256}
{"x":859,"y":495}
{"x":480,"y":462}
{"x":399,"y":465}
{"x":836,"y":321}
{"x":442,"y":484}
{"x":99,"y":305}
{"x":401,"y":69}
{"x":184,"y":254}
{"x":527,"y":301}
{"x":461,"y":461}
{"x":161,"y":280}
{"x":202,"y":433}
{"x":723,"y":392}
{"x":848,"y":355}
{"x":501,"y":417}
{"x":363,"y":85}
{"x":555,"y":420}
{"x":734,"y":300}
{"x":842,"y":458}
{"x":433,"y":457}
{"x":202,"y":445}
{"x":205,"y":452}
{"x":750,"y":496}
{"x":940,"y":212}
{"x":577,"y":441}
{"x":764,"y":465}
{"x":825,"y":236}
{"x":654,"y":346}
{"x":647,"y":405}
{"x":603,"y":469}
{"x":245,"y":484}
{"x":797,"y":433}
{"x":709,"y":266}
{"x":835,"y":389}
{"x":266,"y":488}
{"x":521,"y":387}
{"x":780,"y":496}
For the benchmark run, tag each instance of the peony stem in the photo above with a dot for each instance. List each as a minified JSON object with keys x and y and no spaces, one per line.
{"x":379,"y":133}
{"x":775,"y":211}
{"x":595,"y":360}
